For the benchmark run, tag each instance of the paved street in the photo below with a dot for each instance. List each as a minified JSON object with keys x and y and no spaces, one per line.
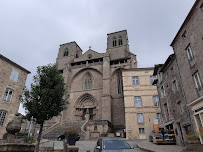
{"x":85,"y":145}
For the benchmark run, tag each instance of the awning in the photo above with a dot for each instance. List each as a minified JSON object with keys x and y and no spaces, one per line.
{"x":168,"y":123}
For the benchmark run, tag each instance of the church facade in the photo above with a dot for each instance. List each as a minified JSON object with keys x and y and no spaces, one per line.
{"x":94,"y":81}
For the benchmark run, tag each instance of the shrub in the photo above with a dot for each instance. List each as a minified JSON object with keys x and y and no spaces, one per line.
{"x":71,"y":132}
{"x":192,"y":137}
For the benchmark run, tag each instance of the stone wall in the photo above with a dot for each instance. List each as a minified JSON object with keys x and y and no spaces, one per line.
{"x":11,"y":107}
{"x":146,"y":91}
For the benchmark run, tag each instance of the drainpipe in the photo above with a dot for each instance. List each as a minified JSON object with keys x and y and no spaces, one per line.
{"x":183,"y":92}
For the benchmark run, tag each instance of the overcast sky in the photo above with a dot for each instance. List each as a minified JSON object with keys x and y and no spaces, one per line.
{"x":32,"y":30}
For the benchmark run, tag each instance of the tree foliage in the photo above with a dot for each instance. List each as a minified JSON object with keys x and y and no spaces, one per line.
{"x":45,"y":99}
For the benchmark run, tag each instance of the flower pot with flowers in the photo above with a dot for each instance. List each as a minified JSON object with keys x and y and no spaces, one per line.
{"x":72,"y":135}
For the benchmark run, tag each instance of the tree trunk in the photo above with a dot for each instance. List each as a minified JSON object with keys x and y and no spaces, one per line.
{"x":39,"y":137}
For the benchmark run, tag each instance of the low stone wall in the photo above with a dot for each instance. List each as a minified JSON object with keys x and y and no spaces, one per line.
{"x":14,"y":147}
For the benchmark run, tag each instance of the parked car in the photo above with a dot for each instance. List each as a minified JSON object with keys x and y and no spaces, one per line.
{"x":113,"y":144}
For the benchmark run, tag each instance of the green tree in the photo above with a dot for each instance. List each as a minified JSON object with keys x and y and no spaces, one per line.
{"x":45,"y":99}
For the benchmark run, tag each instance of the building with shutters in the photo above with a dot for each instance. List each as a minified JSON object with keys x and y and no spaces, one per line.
{"x":12,"y":82}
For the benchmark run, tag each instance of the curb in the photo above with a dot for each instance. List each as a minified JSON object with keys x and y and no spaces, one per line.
{"x":144,"y":148}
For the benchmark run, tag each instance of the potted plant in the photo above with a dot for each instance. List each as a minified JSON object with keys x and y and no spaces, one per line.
{"x":72,"y":135}
{"x":192,"y":139}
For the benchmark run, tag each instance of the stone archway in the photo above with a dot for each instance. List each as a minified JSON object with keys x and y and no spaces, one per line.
{"x":85,"y":107}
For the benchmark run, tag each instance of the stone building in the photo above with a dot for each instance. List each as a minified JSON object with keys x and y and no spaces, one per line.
{"x":141,"y":102}
{"x":172,"y":102}
{"x":12,"y":82}
{"x":188,"y":48}
{"x":94,"y":84}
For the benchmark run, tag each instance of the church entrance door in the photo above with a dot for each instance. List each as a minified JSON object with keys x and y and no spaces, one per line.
{"x":86,"y":107}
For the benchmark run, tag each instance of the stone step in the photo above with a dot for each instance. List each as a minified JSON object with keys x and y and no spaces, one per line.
{"x":61,"y":129}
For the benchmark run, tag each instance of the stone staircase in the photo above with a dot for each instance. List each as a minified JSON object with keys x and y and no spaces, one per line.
{"x":193,"y":148}
{"x":59,"y":130}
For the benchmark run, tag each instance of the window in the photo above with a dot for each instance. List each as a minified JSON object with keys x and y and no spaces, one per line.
{"x":166,"y":110}
{"x":162,"y":91}
{"x":158,"y":115}
{"x":201,"y":7}
{"x":152,"y":78}
{"x":160,"y":77}
{"x":140,"y":118}
{"x":8,"y":95}
{"x":88,"y":81}
{"x":135,"y":80}
{"x":114,"y":41}
{"x":198,"y":82}
{"x":190,"y":53}
{"x":65,"y":52}
{"x":138,"y":101}
{"x":141,"y":131}
{"x":2,"y":117}
{"x":14,"y":75}
{"x":184,"y":35}
{"x":77,"y":56}
{"x":174,"y":86}
{"x":119,"y":84}
{"x":120,"y":42}
{"x":156,"y":101}
{"x":179,"y":107}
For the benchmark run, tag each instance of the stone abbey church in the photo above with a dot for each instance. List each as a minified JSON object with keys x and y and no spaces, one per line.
{"x":94,"y":83}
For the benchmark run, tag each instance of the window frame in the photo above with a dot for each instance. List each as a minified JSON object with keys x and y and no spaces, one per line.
{"x":135,"y":101}
{"x":160,"y":77}
{"x":152,"y":77}
{"x":159,"y":117}
{"x":174,"y":86}
{"x":141,"y":130}
{"x":114,"y":41}
{"x":141,"y":114}
{"x":156,"y":101}
{"x":120,"y":41}
{"x":136,"y":80}
{"x":14,"y":75}
{"x":190,"y":53}
{"x":6,"y":95}
{"x":162,"y":92}
{"x":198,"y":80}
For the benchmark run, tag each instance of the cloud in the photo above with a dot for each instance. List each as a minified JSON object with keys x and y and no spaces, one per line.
{"x":32,"y":30}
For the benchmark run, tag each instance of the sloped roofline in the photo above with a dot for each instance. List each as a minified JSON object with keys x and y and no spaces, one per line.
{"x":8,"y":60}
{"x":117,"y":32}
{"x":71,"y":42}
{"x":185,"y":21}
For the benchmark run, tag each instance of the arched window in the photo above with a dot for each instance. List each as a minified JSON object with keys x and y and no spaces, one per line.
{"x":114,"y":41}
{"x":88,"y":81}
{"x":119,"y":88}
{"x":65,"y":52}
{"x":77,"y":55}
{"x":120,"y":41}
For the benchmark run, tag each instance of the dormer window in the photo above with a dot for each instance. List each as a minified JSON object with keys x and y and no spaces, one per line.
{"x":120,"y":41}
{"x":114,"y":41}
{"x":65,"y":52}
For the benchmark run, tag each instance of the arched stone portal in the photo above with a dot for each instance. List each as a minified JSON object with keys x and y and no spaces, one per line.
{"x":86,"y":107}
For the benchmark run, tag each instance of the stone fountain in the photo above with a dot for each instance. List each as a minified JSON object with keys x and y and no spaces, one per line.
{"x":12,"y":128}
